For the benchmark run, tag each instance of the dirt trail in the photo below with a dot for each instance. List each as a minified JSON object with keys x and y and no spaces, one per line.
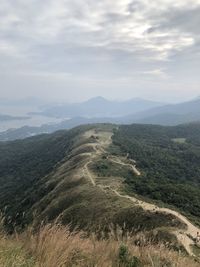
{"x":182,"y":235}
{"x":103,"y":141}
{"x":133,"y":167}
{"x":87,"y":173}
{"x":185,"y":237}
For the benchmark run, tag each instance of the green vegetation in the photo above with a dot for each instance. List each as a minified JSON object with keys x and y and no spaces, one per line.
{"x":170,"y":170}
{"x":73,"y":177}
{"x":105,"y":168}
{"x":23,"y":166}
{"x":42,"y":179}
{"x":126,"y":260}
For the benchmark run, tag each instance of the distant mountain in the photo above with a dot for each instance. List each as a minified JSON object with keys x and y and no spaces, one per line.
{"x":171,"y":119}
{"x":172,"y":114}
{"x":175,"y":114}
{"x":100,"y":107}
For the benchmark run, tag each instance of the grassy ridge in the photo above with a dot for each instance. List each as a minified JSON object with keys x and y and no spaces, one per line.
{"x":42,"y":178}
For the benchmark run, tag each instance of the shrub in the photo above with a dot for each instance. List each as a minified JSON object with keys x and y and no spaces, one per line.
{"x":126,"y":260}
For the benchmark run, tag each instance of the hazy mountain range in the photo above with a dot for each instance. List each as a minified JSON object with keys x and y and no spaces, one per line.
{"x":100,"y":107}
{"x":135,"y":110}
{"x":171,"y":114}
{"x":132,"y":111}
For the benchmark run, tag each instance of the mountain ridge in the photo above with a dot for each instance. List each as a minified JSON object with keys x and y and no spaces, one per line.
{"x":84,"y":171}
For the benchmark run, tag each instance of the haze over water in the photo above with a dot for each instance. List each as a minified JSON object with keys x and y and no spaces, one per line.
{"x":32,"y":120}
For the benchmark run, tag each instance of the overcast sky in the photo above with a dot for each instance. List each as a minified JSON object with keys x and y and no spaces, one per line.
{"x":71,"y":50}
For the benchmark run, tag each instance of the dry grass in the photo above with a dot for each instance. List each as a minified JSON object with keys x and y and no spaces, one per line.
{"x":12,"y":254}
{"x":55,"y":246}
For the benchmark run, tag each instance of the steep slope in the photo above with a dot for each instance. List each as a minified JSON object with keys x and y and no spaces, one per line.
{"x":24,"y":163}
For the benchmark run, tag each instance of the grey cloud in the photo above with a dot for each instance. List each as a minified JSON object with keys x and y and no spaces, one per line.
{"x":99,"y":40}
{"x":186,"y":20}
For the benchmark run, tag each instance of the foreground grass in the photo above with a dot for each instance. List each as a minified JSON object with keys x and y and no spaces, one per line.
{"x":55,"y":246}
{"x":12,"y":254}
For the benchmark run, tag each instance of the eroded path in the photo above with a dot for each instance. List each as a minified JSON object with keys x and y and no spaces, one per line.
{"x":104,"y":139}
{"x":118,"y":161}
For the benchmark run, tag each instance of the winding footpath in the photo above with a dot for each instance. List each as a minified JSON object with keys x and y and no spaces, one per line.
{"x":133,"y":167}
{"x":185,"y":236}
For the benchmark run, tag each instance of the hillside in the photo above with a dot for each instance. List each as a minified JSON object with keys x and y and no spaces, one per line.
{"x":169,"y":160}
{"x":81,"y":177}
{"x":46,"y":174}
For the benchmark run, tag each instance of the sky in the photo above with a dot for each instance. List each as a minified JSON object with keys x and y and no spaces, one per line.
{"x":71,"y":50}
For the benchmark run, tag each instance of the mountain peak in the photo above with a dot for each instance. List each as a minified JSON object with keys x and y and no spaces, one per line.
{"x":98,"y":99}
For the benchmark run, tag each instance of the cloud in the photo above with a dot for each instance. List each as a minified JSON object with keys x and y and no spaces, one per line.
{"x":156,"y":72}
{"x":129,"y":25}
{"x":99,"y":39}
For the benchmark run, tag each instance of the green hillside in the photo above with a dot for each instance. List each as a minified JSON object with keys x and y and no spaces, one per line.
{"x":42,"y":178}
{"x":169,"y":160}
{"x":87,"y":178}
